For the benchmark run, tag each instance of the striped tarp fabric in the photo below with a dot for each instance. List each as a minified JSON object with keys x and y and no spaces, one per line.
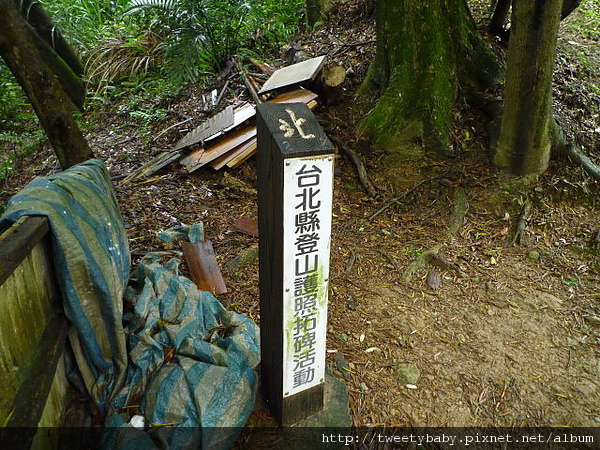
{"x":181,"y":360}
{"x":92,"y":264}
{"x":193,"y":364}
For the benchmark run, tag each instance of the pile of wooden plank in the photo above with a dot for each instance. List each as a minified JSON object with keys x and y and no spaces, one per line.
{"x":228,"y":138}
{"x":232,"y":142}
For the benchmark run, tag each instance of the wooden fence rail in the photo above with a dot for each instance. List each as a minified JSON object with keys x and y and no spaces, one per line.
{"x":33,"y":330}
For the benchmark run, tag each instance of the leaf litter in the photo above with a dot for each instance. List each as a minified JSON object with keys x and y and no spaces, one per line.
{"x":502,"y":340}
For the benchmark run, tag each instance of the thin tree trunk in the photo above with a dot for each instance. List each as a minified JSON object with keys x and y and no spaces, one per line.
{"x":315,"y":12}
{"x":523,"y":146}
{"x":56,"y":51}
{"x":499,"y":18}
{"x":53,"y":108}
{"x":39,"y":20}
{"x":568,"y":7}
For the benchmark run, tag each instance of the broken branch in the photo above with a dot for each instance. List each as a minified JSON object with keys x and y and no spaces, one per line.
{"x":247,"y":82}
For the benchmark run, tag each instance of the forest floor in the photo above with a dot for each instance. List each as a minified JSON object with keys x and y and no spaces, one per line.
{"x":442,"y":319}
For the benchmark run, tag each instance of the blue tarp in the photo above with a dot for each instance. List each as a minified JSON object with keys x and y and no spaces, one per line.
{"x":92,"y":264}
{"x":178,"y":358}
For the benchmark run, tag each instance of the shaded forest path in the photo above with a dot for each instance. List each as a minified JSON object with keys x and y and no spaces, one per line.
{"x":485,"y":333}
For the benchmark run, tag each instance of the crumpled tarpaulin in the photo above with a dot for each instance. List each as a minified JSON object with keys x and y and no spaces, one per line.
{"x":92,"y":265}
{"x":192,"y":364}
{"x":187,"y":365}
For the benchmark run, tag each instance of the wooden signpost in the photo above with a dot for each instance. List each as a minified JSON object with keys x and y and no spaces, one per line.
{"x":295,"y":177}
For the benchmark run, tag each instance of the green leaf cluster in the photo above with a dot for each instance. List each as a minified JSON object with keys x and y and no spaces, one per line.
{"x":178,"y":39}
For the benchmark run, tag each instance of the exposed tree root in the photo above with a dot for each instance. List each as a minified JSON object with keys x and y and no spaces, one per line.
{"x":421,"y":261}
{"x":363,"y":176}
{"x":522,"y":223}
{"x":406,"y":194}
{"x":245,"y":257}
{"x":461,"y":205}
{"x":432,"y":258}
{"x":588,"y":165}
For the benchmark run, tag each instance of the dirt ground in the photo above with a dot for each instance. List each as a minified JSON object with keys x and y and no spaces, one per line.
{"x":442,"y":319}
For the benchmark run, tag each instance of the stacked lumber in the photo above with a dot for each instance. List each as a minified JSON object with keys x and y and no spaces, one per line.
{"x":228,"y":138}
{"x":240,"y":144}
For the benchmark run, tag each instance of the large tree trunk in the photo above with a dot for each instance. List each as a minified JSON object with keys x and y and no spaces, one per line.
{"x":523,"y":146}
{"x":53,"y":108}
{"x":427,"y":52}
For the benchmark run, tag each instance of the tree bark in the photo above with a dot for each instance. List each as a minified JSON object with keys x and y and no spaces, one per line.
{"x":39,"y":20}
{"x":316,"y":11}
{"x":53,"y":108}
{"x":426,"y":53}
{"x":498,"y":22}
{"x":56,"y":51}
{"x":523,"y":145}
{"x":502,"y":7}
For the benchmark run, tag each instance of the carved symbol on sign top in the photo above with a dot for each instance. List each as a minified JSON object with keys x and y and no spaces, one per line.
{"x":297,"y":122}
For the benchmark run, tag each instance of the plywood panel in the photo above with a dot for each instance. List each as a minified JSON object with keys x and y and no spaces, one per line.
{"x":294,"y":74}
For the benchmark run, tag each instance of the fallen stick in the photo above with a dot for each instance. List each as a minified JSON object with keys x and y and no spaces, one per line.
{"x":171,"y":127}
{"x":247,"y":82}
{"x":222,"y":92}
{"x":363,"y":176}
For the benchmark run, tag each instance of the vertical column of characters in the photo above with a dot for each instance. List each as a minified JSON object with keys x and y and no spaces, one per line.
{"x":307,"y":233}
{"x":306,"y":273}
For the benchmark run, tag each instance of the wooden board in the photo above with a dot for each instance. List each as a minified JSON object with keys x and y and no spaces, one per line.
{"x":242,"y":156}
{"x":234,"y":149}
{"x":294,"y":74}
{"x":217,"y":126}
{"x":225,"y":159}
{"x":32,"y":337}
{"x":246,"y":225}
{"x":202,"y":156}
{"x":297,"y":96}
{"x":17,"y":242}
{"x":205,"y":272}
{"x":210,"y":127}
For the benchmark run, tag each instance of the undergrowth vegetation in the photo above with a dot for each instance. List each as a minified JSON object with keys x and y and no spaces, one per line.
{"x":588,"y":22}
{"x":176,"y":39}
{"x":146,"y":50}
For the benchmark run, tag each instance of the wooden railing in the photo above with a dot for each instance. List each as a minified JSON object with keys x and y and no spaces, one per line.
{"x":33,"y":330}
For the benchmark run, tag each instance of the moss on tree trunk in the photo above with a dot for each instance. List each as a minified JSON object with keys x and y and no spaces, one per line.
{"x":523,"y":146}
{"x":52,"y":106}
{"x":316,"y":11}
{"x":427,"y":54}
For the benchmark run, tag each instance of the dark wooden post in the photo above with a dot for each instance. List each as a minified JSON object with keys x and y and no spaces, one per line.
{"x":295,"y":179}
